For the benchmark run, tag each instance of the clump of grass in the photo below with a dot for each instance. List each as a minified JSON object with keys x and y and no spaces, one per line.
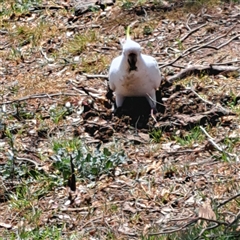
{"x":58,"y":113}
{"x":190,"y":138}
{"x":94,"y":63}
{"x":127,"y":4}
{"x":81,"y":41}
{"x":193,"y":5}
{"x":33,"y":35}
{"x":156,"y":135}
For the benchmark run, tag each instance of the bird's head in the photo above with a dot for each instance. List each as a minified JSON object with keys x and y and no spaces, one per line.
{"x":131,"y":51}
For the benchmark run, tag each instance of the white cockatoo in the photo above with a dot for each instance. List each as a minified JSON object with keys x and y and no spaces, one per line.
{"x":133,"y":74}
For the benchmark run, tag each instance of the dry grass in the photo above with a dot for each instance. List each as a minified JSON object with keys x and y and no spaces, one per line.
{"x":164,"y":174}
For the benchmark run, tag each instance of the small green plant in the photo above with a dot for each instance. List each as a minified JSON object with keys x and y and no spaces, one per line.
{"x":195,"y":135}
{"x":101,"y":162}
{"x":48,"y":232}
{"x":156,"y":135}
{"x":88,"y":164}
{"x":18,"y":7}
{"x":180,"y":44}
{"x":127,"y":4}
{"x":58,"y":113}
{"x":147,"y":30}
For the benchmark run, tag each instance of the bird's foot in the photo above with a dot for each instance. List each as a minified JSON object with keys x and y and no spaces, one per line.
{"x":153,"y":111}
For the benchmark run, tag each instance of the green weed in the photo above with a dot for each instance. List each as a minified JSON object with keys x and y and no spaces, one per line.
{"x":195,"y":135}
{"x":88,"y":164}
{"x":58,"y":113}
{"x":156,"y":135}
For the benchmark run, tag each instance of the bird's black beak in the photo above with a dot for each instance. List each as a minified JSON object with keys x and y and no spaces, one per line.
{"x":132,"y":60}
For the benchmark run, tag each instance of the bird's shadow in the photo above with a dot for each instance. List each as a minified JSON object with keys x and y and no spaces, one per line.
{"x":137,"y":108}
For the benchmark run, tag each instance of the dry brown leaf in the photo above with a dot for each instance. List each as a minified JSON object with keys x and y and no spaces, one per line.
{"x":205,"y":211}
{"x":127,"y":206}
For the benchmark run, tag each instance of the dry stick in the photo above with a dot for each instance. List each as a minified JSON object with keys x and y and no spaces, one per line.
{"x":43,"y":95}
{"x":90,"y":221}
{"x":226,"y":63}
{"x":208,"y":102}
{"x":29,"y":160}
{"x":211,"y":140}
{"x":234,"y":221}
{"x":189,"y":70}
{"x":228,"y":200}
{"x":191,"y":32}
{"x":50,"y":60}
{"x":230,"y":40}
{"x":95,"y":76}
{"x":188,"y":224}
{"x":196,"y":48}
{"x":206,"y":229}
{"x":187,"y":25}
{"x":213,"y":40}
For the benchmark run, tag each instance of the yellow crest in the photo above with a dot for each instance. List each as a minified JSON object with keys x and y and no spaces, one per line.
{"x":128,"y":33}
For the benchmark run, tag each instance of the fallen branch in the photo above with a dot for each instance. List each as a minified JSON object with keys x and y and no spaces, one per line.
{"x":195,"y":220}
{"x":228,"y":200}
{"x":210,"y":103}
{"x":43,"y":95}
{"x":205,"y":101}
{"x":197,"y":69}
{"x":220,"y":149}
{"x":205,"y":45}
{"x":192,"y":31}
{"x":37,"y":165}
{"x":50,"y":60}
{"x":95,"y":76}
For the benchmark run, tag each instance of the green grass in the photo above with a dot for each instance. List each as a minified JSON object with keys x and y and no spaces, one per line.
{"x":156,"y":135}
{"x":190,"y":138}
{"x":17,"y":7}
{"x":81,"y":41}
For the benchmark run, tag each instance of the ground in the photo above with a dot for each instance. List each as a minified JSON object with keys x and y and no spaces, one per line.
{"x":72,"y":169}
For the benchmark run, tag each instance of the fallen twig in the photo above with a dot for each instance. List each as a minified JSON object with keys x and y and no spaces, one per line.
{"x":192,"y":31}
{"x":228,"y":200}
{"x":199,"y":68}
{"x":217,"y":223}
{"x":37,"y":165}
{"x":208,"y":102}
{"x":42,"y":95}
{"x":220,"y":149}
{"x":205,"y":45}
{"x":227,"y":42}
{"x":50,"y":60}
{"x":95,"y":76}
{"x":205,"y":101}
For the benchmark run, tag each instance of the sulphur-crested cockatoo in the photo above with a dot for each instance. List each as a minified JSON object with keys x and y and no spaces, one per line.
{"x":133,"y":74}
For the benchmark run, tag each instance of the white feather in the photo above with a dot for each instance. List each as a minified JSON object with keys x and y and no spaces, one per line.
{"x":140,"y":82}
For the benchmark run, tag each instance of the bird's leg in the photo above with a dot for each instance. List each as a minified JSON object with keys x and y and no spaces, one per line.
{"x":119,"y":103}
{"x":153,"y":103}
{"x":119,"y":100}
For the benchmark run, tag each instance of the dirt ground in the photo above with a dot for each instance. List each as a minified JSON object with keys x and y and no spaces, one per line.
{"x":54,"y":85}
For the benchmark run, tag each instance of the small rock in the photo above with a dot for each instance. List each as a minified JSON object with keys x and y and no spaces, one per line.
{"x":67,"y":104}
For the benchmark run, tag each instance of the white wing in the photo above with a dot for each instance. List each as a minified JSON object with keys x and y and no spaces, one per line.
{"x":114,"y":72}
{"x":153,"y":70}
